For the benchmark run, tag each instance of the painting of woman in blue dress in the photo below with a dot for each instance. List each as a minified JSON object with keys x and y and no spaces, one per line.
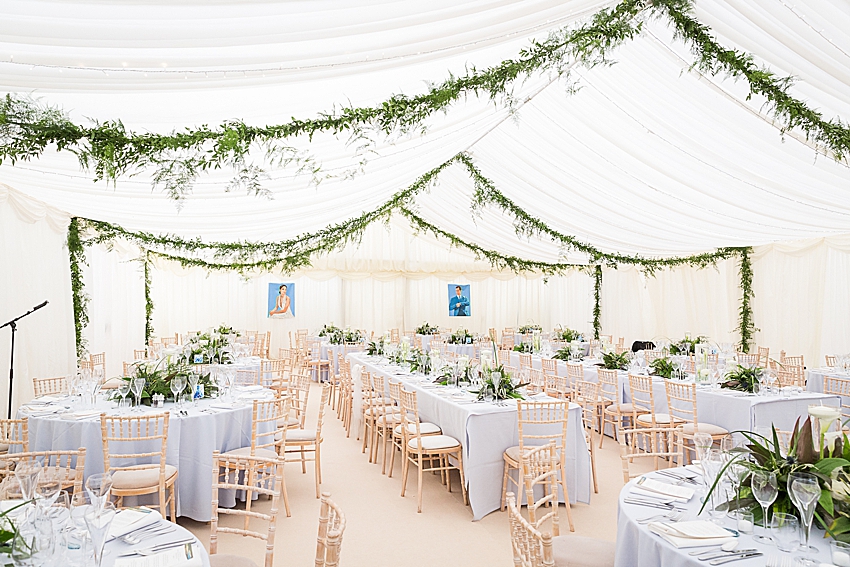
{"x":459,"y":300}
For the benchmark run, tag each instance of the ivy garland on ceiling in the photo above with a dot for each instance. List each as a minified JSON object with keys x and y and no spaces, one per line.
{"x":289,"y":255}
{"x":110,"y":150}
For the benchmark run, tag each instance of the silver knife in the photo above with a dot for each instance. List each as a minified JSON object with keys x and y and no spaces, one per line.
{"x":716,"y":554}
{"x":736,"y":558}
{"x":156,"y":548}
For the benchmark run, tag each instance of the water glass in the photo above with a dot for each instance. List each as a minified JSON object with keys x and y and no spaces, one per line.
{"x":765,"y":490}
{"x":98,"y":521}
{"x":785,"y":530}
{"x":138,"y":386}
{"x":32,"y":545}
{"x":27,"y":473}
{"x":123,"y":390}
{"x":99,"y":489}
{"x":804,"y":490}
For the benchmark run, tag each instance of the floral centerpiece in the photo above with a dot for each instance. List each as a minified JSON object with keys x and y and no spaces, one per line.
{"x":498,"y":384}
{"x":210,"y":347}
{"x":158,"y":376}
{"x":529,"y":328}
{"x":329,"y":330}
{"x":566,"y":334}
{"x":461,"y":337}
{"x":523,"y":347}
{"x":743,"y":379}
{"x":614,"y":361}
{"x":375,"y":347}
{"x":687,"y":345}
{"x":662,"y":367}
{"x":426,"y":329}
{"x":337,"y":336}
{"x":812,"y":449}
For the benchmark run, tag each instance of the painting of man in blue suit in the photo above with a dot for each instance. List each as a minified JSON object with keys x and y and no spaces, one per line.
{"x":458,"y":300}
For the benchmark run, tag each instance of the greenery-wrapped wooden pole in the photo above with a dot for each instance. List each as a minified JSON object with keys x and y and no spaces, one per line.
{"x":746,"y":325}
{"x":77,"y":257}
{"x":597,"y":307}
{"x":148,"y":300}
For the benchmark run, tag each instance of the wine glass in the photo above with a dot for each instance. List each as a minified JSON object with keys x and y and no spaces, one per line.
{"x":178,"y":384}
{"x":194,"y":377}
{"x":737,"y":472}
{"x":702,"y":444}
{"x":98,"y":521}
{"x":138,"y":386}
{"x":27,"y":473}
{"x":804,"y":490}
{"x":48,"y":486}
{"x":123,"y":390}
{"x":713,"y":462}
{"x":99,"y":488}
{"x":765,"y":489}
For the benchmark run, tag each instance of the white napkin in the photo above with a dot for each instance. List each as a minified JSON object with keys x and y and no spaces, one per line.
{"x":46,"y":400}
{"x":680,"y":493}
{"x":697,"y":533}
{"x":81,"y":414}
{"x":182,"y":556}
{"x":131,"y":519}
{"x":638,"y":492}
{"x":40,"y":411}
{"x":221,"y":405}
{"x":254,"y":388}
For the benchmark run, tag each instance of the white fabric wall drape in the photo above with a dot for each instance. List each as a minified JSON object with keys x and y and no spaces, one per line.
{"x":34,"y":267}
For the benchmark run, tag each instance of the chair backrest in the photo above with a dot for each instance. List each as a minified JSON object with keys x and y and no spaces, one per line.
{"x":140,"y":354}
{"x":15,"y":432}
{"x":394,"y":336}
{"x":68,"y":466}
{"x":138,"y":438}
{"x":49,"y":386}
{"x":575,"y":372}
{"x":643,"y":398}
{"x":764,"y":356}
{"x":831,"y":360}
{"x":254,"y":475}
{"x":540,"y":422}
{"x":259,"y":345}
{"x":651,"y":355}
{"x":331,"y":528}
{"x":549,"y":365}
{"x":273,"y":372}
{"x":98,"y":359}
{"x":265,"y":431}
{"x":536,"y":381}
{"x":524,"y":360}
{"x":507,"y":340}
{"x":839,"y":387}
{"x":682,"y":400}
{"x":539,"y":466}
{"x":505,"y":356}
{"x":657,"y":443}
{"x":557,"y":387}
{"x":789,"y":375}
{"x":531,"y":548}
{"x":609,"y":384}
{"x":246,"y":377}
{"x":786,"y":360}
{"x":745,"y":359}
{"x":587,"y":396}
{"x":168,"y":341}
{"x":299,"y":391}
{"x":409,"y":415}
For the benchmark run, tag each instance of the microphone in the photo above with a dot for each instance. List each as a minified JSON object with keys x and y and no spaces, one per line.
{"x":40,"y":305}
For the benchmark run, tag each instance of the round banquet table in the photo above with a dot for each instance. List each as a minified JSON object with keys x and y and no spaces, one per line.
{"x":637,"y":546}
{"x":210,"y":426}
{"x":117,"y":547}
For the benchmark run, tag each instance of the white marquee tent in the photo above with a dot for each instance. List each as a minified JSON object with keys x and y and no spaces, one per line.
{"x":646,"y":156}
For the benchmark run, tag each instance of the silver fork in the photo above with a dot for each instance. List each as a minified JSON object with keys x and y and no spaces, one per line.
{"x":136,"y":537}
{"x":672,"y":515}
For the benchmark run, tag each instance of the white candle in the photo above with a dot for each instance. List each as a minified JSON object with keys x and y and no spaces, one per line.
{"x":840,"y":558}
{"x":746,"y":527}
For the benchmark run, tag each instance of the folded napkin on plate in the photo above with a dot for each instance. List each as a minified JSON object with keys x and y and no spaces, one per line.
{"x":40,"y":410}
{"x":46,"y":400}
{"x":81,"y":414}
{"x":254,"y":388}
{"x":638,"y":492}
{"x":130,"y":519}
{"x":697,"y":533}
{"x":188,"y":555}
{"x":680,"y":493}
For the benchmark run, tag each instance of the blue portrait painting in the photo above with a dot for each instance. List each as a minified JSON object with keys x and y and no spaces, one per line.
{"x":459,"y":300}
{"x":281,"y":302}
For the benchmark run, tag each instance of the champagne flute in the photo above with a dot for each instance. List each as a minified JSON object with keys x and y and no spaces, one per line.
{"x":123,"y":390}
{"x":98,"y":521}
{"x":48,"y":486}
{"x":194,"y":377}
{"x":27,"y":474}
{"x":138,"y":387}
{"x":178,"y":384}
{"x":99,"y":488}
{"x":765,"y":489}
{"x":804,"y":490}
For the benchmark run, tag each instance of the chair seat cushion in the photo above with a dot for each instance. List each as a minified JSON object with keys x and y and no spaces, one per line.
{"x":300,"y":435}
{"x":623,"y":408}
{"x":660,"y":418}
{"x":688,"y":429}
{"x":434,"y":442}
{"x":264,"y":453}
{"x":225,"y":560}
{"x":140,"y":478}
{"x":425,"y":428}
{"x":4,"y":447}
{"x":289,"y":422}
{"x":577,"y":551}
{"x":389,"y":420}
{"x":513,"y":453}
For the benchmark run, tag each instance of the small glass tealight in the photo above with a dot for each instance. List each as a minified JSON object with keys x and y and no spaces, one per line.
{"x":745,"y":521}
{"x":840,"y":553}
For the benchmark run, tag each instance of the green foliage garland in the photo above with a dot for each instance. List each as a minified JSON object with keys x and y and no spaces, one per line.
{"x":148,"y":300}
{"x":77,"y":257}
{"x":27,"y":127}
{"x":597,"y":301}
{"x":746,"y":326}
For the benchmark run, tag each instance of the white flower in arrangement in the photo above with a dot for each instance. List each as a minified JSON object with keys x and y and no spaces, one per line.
{"x":840,"y":486}
{"x":704,"y":372}
{"x":826,"y":416}
{"x":830,"y":438}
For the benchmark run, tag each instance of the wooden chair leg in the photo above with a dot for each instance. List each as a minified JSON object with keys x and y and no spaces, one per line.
{"x":419,"y":487}
{"x":318,"y":468}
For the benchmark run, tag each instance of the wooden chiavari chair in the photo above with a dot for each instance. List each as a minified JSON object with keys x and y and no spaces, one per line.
{"x":169,"y":341}
{"x":536,"y":382}
{"x":764,"y":356}
{"x":831,"y":360}
{"x":14,"y":433}
{"x":746,"y":359}
{"x":651,"y":355}
{"x":273,"y":374}
{"x":299,"y":394}
{"x":682,"y":404}
{"x":613,"y":412}
{"x":586,"y":394}
{"x":540,"y":468}
{"x":425,"y":428}
{"x":246,"y":377}
{"x":839,"y":387}
{"x":557,"y":387}
{"x":657,"y":443}
{"x":140,"y":354}
{"x":395,"y":337}
{"x":524,"y":361}
{"x":788,"y":375}
{"x":786,"y":360}
{"x":144,"y":433}
{"x":331,"y":528}
{"x":575,"y":373}
{"x":67,"y":466}
{"x":254,"y":475}
{"x":643,"y":402}
{"x":549,"y":365}
{"x":539,"y":422}
{"x":49,"y":386}
{"x":301,"y":442}
{"x":435,"y":449}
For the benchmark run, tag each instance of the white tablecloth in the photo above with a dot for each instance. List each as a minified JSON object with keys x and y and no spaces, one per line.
{"x":638,"y":547}
{"x":485,"y":431}
{"x":814,"y":377}
{"x":191,"y":442}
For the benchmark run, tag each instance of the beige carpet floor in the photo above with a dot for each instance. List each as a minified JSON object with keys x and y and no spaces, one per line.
{"x":385,"y":530}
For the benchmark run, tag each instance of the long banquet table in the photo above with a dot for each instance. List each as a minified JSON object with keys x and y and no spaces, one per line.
{"x":485,"y":431}
{"x":211,"y":426}
{"x":637,"y":546}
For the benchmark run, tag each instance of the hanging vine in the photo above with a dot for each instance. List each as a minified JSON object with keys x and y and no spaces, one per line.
{"x":597,"y":301}
{"x":110,"y":150}
{"x":146,"y":260}
{"x":746,"y":325}
{"x":77,"y":257}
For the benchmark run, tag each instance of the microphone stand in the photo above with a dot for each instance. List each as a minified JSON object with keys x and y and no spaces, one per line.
{"x":14,"y":326}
